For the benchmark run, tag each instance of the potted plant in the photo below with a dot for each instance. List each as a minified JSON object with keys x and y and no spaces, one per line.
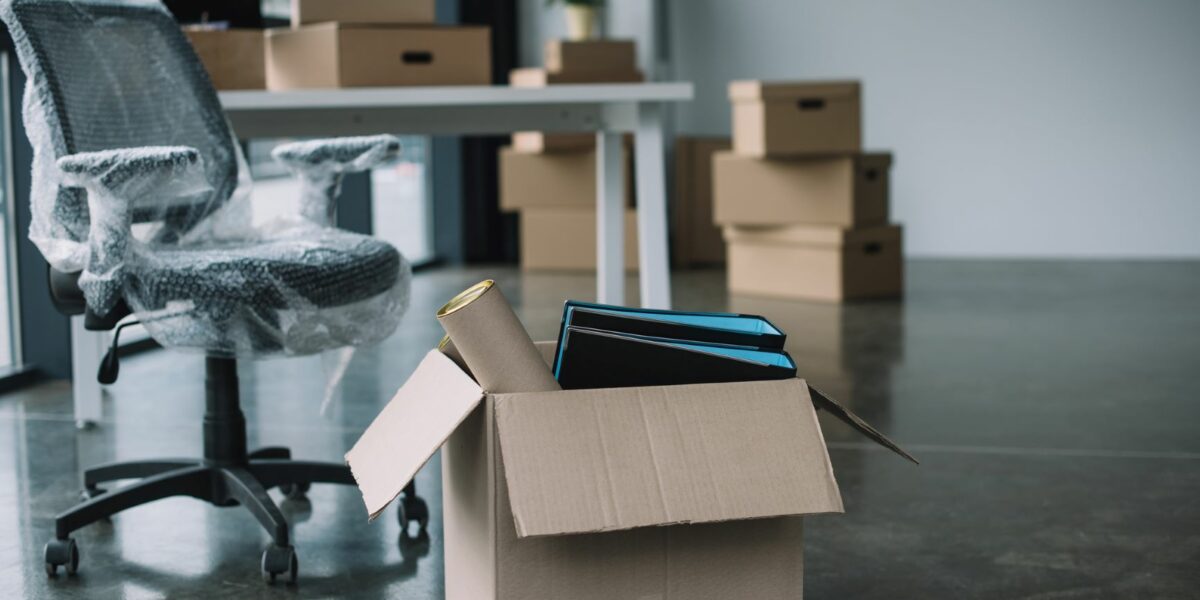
{"x":581,"y":17}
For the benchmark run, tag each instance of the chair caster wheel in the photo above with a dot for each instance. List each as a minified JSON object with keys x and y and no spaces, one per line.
{"x":295,"y":491}
{"x":277,"y":561}
{"x":412,"y":508}
{"x":61,"y":553}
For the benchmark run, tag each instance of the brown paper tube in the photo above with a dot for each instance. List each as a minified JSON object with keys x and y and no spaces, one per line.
{"x":495,"y":346}
{"x":447,"y":348}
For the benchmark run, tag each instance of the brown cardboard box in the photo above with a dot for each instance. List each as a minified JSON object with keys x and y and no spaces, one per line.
{"x":846,"y":191}
{"x":834,"y":345}
{"x":787,"y":119}
{"x":564,"y":239}
{"x":537,"y":141}
{"x":336,"y":55}
{"x":815,"y":262}
{"x":234,"y":58}
{"x":601,"y":494}
{"x":695,"y":241}
{"x":590,"y":56}
{"x":533,"y":77}
{"x":565,"y":179}
{"x":393,"y":12}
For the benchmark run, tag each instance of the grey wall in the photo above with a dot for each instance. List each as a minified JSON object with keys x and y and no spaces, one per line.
{"x":1020,"y":127}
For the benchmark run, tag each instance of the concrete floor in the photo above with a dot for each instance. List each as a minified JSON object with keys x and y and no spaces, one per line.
{"x":1053,"y":406}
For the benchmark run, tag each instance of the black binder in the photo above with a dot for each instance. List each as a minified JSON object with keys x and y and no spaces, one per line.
{"x":750,"y":331}
{"x":590,"y":358}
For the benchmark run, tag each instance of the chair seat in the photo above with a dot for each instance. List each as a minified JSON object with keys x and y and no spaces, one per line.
{"x":321,"y":269}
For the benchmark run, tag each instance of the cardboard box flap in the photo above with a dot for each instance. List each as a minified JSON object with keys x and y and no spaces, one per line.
{"x":753,"y":91}
{"x":414,"y":424}
{"x":812,"y":235}
{"x":843,"y":414}
{"x":610,"y":459}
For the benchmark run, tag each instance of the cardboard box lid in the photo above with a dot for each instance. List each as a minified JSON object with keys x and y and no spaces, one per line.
{"x":755,"y":90}
{"x":879,"y":159}
{"x":538,"y":77}
{"x":811,"y":235}
{"x":339,"y":26}
{"x":610,"y":459}
{"x":414,"y":424}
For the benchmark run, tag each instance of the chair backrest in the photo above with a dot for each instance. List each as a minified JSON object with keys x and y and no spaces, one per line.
{"x":108,"y":74}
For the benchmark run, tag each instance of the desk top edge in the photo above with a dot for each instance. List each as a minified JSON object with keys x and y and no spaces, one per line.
{"x":422,"y":96}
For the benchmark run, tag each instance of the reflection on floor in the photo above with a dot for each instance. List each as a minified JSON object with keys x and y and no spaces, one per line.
{"x":1052,"y":404}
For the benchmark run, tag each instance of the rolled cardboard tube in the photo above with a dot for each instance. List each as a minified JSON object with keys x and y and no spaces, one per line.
{"x":494,"y":345}
{"x":447,"y":348}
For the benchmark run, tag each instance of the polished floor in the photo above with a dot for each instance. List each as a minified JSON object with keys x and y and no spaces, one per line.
{"x":1053,"y":405}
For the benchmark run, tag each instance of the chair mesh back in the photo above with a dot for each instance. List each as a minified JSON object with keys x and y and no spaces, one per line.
{"x":121,"y":75}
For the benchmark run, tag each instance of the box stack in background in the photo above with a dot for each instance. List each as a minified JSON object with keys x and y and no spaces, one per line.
{"x":373,"y":43}
{"x":234,"y":58}
{"x":804,"y":210}
{"x":549,"y":179}
{"x":695,"y":240}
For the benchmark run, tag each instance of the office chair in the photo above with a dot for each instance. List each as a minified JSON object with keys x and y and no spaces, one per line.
{"x":139,"y":205}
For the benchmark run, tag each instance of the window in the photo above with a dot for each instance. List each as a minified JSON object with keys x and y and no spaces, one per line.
{"x":401,"y":204}
{"x":8,"y":309}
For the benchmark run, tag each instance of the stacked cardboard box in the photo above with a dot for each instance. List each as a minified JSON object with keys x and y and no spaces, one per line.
{"x":695,"y":241}
{"x":374,"y":43}
{"x":803,"y":208}
{"x":549,"y":179}
{"x":234,"y":58}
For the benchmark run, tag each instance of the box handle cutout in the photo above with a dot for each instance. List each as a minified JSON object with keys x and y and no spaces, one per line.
{"x":871,"y":174}
{"x":417,"y":57}
{"x":872,"y":248}
{"x":811,"y":103}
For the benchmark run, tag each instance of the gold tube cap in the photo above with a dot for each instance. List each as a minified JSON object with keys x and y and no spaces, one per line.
{"x":465,"y":297}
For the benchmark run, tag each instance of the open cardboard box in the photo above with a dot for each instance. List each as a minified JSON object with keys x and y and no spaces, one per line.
{"x":691,"y":491}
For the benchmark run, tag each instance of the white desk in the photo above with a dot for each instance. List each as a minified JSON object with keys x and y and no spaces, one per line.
{"x":610,"y":110}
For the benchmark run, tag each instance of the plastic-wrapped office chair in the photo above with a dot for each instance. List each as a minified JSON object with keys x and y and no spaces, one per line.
{"x":139,"y":206}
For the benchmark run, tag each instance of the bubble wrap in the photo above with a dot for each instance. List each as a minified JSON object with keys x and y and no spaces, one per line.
{"x":140,"y":185}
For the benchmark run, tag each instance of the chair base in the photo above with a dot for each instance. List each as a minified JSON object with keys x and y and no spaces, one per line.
{"x":226,"y":476}
{"x":245,"y":485}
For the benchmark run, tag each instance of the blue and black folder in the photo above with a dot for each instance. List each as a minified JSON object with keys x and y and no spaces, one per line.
{"x":602,"y":346}
{"x":613,"y":346}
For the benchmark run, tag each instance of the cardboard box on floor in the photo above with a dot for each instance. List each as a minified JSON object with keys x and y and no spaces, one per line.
{"x":561,"y":179}
{"x":815,"y":262}
{"x":695,"y":240}
{"x":846,"y":191}
{"x":362,"y":11}
{"x":563,"y":238}
{"x":590,"y":56}
{"x":838,"y":338}
{"x":795,"y":118}
{"x":234,"y":58}
{"x":690,"y":491}
{"x":537,"y":141}
{"x":337,"y":55}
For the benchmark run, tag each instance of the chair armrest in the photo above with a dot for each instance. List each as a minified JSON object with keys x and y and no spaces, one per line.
{"x":130,"y":173}
{"x":115,"y":181}
{"x":321,"y":164}
{"x":340,"y":155}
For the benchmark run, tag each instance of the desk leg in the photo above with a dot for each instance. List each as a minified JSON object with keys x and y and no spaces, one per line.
{"x":653,"y":271}
{"x":610,"y":219}
{"x":87,"y":350}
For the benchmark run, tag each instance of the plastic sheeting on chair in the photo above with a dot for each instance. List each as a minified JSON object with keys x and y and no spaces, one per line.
{"x":139,"y":183}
